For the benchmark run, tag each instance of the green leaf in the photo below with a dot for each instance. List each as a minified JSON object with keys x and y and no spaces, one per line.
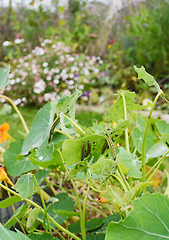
{"x":64,"y":203}
{"x":89,"y":225}
{"x":146,"y":221}
{"x":3,"y":77}
{"x":56,"y":157}
{"x":149,"y":79}
{"x":61,"y":9}
{"x":19,"y":213}
{"x":63,"y":127}
{"x":130,"y":162}
{"x":138,"y":139}
{"x":82,"y":166}
{"x":9,"y":201}
{"x":32,"y":218}
{"x":16,"y":167}
{"x":41,"y":126}
{"x":104,"y":168}
{"x":158,"y":149}
{"x":116,"y":112}
{"x":11,"y":235}
{"x":140,"y":123}
{"x":95,"y":237}
{"x":116,"y":197}
{"x":42,"y":236}
{"x":163,"y":127}
{"x":25,"y":186}
{"x":40,"y":175}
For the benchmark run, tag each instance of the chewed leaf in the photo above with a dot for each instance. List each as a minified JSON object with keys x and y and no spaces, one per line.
{"x":147,"y":220}
{"x":3,"y":77}
{"x":149,"y":79}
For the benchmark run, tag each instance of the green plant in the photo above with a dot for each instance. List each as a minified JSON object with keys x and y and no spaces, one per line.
{"x":107,"y":160}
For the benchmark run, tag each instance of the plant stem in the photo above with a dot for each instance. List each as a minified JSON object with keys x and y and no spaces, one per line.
{"x":76,"y":125}
{"x":77,"y":198}
{"x":37,"y":206}
{"x":18,"y":112}
{"x":67,"y":135}
{"x":144,"y":139}
{"x":123,"y":178}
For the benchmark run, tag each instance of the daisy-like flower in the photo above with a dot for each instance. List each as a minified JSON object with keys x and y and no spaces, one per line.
{"x":4,"y":128}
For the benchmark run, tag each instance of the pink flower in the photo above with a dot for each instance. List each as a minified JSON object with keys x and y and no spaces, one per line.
{"x":111,"y":41}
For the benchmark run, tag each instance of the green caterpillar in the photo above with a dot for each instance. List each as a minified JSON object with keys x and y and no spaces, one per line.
{"x":110,"y":142}
{"x":57,"y":120}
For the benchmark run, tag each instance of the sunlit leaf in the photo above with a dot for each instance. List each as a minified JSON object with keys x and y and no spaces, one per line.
{"x":138,"y":139}
{"x":4,"y":77}
{"x":9,"y":201}
{"x":25,"y":186}
{"x":130,"y":162}
{"x":163,"y":127}
{"x":11,"y":235}
{"x":147,"y":220}
{"x":149,"y":79}
{"x":32,"y":218}
{"x":158,"y":149}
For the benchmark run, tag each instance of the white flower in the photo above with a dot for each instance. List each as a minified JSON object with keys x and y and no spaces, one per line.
{"x":86,"y":80}
{"x":24,"y":99}
{"x":12,"y":81}
{"x":37,"y":90}
{"x":71,"y":75}
{"x":57,"y":70}
{"x":18,"y":80}
{"x":6,"y":43}
{"x":67,"y":92}
{"x":71,"y":82}
{"x":48,"y":78}
{"x":34,"y":71}
{"x":101,"y":99}
{"x":98,"y":58}
{"x":45,"y":71}
{"x":56,"y":81}
{"x":56,"y":62}
{"x":71,"y":59}
{"x":45,"y":64}
{"x":17,"y":101}
{"x":50,"y":96}
{"x":86,"y":71}
{"x":26,"y":64}
{"x":96,"y":70}
{"x":11,"y":75}
{"x":23,"y":83}
{"x":101,"y":61}
{"x":39,"y":86}
{"x":18,"y":41}
{"x":81,"y":87}
{"x":80,"y":64}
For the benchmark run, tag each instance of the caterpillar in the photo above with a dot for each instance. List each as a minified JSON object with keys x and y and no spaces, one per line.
{"x":57,"y":120}
{"x":83,"y":151}
{"x":110,"y":142}
{"x":104,"y":147}
{"x":88,"y":148}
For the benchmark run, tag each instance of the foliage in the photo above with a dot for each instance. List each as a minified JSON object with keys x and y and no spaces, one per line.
{"x":103,"y":159}
{"x":145,"y":38}
{"x":52,"y":70}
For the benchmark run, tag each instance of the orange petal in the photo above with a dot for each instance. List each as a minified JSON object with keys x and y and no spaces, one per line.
{"x":4,"y":127}
{"x":3,"y":174}
{"x":103,"y":200}
{"x":3,"y":136}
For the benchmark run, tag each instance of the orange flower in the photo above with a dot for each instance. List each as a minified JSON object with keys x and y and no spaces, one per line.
{"x":4,"y":128}
{"x":4,"y":176}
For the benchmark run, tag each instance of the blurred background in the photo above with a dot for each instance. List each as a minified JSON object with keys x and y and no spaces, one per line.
{"x":54,"y":47}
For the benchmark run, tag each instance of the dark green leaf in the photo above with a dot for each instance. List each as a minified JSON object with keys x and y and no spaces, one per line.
{"x":19,"y":213}
{"x":41,"y":175}
{"x":147,"y":220}
{"x":42,"y":236}
{"x":89,"y":225}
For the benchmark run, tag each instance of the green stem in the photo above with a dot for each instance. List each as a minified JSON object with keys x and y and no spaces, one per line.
{"x":18,"y":112}
{"x":144,"y":139}
{"x":156,"y":165}
{"x":123,"y":178}
{"x":77,"y":196}
{"x":67,"y":135}
{"x":76,"y":125}
{"x":118,"y":177}
{"x":43,"y":203}
{"x":37,"y":206}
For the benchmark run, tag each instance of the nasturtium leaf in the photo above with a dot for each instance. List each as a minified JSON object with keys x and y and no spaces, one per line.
{"x":104,"y":168}
{"x":41,"y":174}
{"x":19,"y":213}
{"x":11,"y":235}
{"x":149,"y":79}
{"x":97,"y":128}
{"x":99,"y":236}
{"x":32,"y":218}
{"x":25,"y":186}
{"x":116,"y":112}
{"x":140,"y":123}
{"x":158,"y":149}
{"x":64,"y":203}
{"x":56,"y":157}
{"x":9,"y":201}
{"x":163,"y":127}
{"x":17,"y":167}
{"x":147,"y":220}
{"x":138,"y":140}
{"x":89,"y":225}
{"x":4,"y":77}
{"x":116,"y":197}
{"x":80,"y":167}
{"x":41,"y":126}
{"x":130,"y":162}
{"x":41,"y":236}
{"x":43,"y":155}
{"x":63,"y":127}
